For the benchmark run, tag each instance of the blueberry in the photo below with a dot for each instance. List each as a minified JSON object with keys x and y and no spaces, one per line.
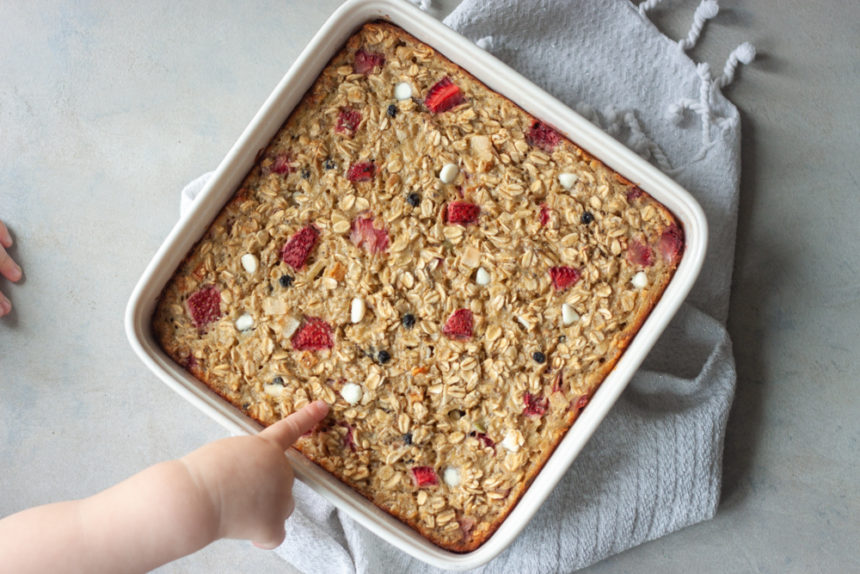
{"x":383,"y":356}
{"x":539,"y":357}
{"x":392,"y":110}
{"x":413,"y":199}
{"x":587,"y":218}
{"x":285,"y":280}
{"x":329,"y":164}
{"x":408,"y":320}
{"x":407,"y":438}
{"x":306,"y":173}
{"x":278,"y":381}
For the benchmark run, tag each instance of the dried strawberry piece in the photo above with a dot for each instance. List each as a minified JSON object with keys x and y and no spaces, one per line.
{"x":483,"y":438}
{"x":364,"y":234}
{"x":282,"y":164}
{"x":462,"y":212}
{"x":424,"y":476}
{"x":314,"y":335}
{"x":536,"y":405}
{"x":348,"y":120}
{"x":671,"y":243}
{"x":581,"y":402}
{"x":297,"y":249}
{"x":639,"y":253}
{"x":459,"y":325}
{"x":544,"y":214}
{"x":204,"y":305}
{"x":443,"y":96}
{"x":563,"y":277}
{"x":348,"y":439}
{"x":544,"y":137}
{"x":634,"y":193}
{"x":466,"y":525}
{"x":367,"y":62}
{"x":362,"y":171}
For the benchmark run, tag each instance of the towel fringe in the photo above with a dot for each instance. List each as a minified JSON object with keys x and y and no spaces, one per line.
{"x":423,"y":4}
{"x":647,"y":6}
{"x":743,"y":54}
{"x":706,"y":10}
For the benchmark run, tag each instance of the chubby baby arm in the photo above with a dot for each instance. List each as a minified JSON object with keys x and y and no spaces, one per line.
{"x":233,"y":488}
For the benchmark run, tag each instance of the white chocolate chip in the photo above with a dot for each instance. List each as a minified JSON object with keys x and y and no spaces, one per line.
{"x":357,"y":309}
{"x":640,"y":280}
{"x":244,"y":322}
{"x":482,"y":277}
{"x":449,"y":173}
{"x":451,"y":476}
{"x":513,"y":441}
{"x":568,"y":315}
{"x":567,"y":180}
{"x":290,"y":326}
{"x":351,"y":393}
{"x":250,"y":262}
{"x":402,"y":91}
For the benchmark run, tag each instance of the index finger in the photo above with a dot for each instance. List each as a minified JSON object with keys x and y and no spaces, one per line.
{"x":5,"y":237}
{"x":287,"y":431}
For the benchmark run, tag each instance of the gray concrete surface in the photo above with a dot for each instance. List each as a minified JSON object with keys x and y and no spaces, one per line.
{"x":108,"y":108}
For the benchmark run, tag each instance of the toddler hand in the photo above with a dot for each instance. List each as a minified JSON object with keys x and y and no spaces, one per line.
{"x":249,"y":480}
{"x":8,"y":268}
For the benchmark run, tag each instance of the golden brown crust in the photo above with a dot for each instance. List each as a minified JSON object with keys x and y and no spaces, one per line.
{"x":478,"y":414}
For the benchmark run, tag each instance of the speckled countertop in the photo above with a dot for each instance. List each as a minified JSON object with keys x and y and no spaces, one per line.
{"x":108,"y":108}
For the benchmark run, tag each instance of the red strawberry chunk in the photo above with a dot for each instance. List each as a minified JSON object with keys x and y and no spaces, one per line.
{"x":459,"y":325}
{"x":362,"y":171}
{"x":563,"y":277}
{"x":463,"y":212}
{"x":639,"y":253}
{"x":204,"y":305}
{"x":347,"y":121}
{"x":424,"y":476}
{"x":634,"y":193}
{"x":483,"y":438}
{"x":297,"y":249}
{"x":671,"y":243}
{"x":314,"y":335}
{"x":544,"y":214}
{"x":536,"y":405}
{"x":367,"y":62}
{"x":443,"y":96}
{"x":348,"y":439}
{"x":365,"y":235}
{"x":544,"y":137}
{"x":282,"y":164}
{"x":581,"y":402}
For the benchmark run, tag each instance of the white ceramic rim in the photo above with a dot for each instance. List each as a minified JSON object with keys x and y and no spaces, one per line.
{"x":501,"y":78}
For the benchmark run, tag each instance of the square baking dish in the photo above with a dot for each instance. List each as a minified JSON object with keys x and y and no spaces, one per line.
{"x":499,"y":77}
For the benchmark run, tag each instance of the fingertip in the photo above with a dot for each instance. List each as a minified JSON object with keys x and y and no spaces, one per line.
{"x":5,"y":305}
{"x":5,"y":236}
{"x":274,"y":542}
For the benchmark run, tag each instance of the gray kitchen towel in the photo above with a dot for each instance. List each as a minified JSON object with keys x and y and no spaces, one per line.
{"x":654,"y":465}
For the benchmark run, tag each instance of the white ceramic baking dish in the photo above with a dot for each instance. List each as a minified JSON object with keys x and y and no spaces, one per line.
{"x":330,"y":38}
